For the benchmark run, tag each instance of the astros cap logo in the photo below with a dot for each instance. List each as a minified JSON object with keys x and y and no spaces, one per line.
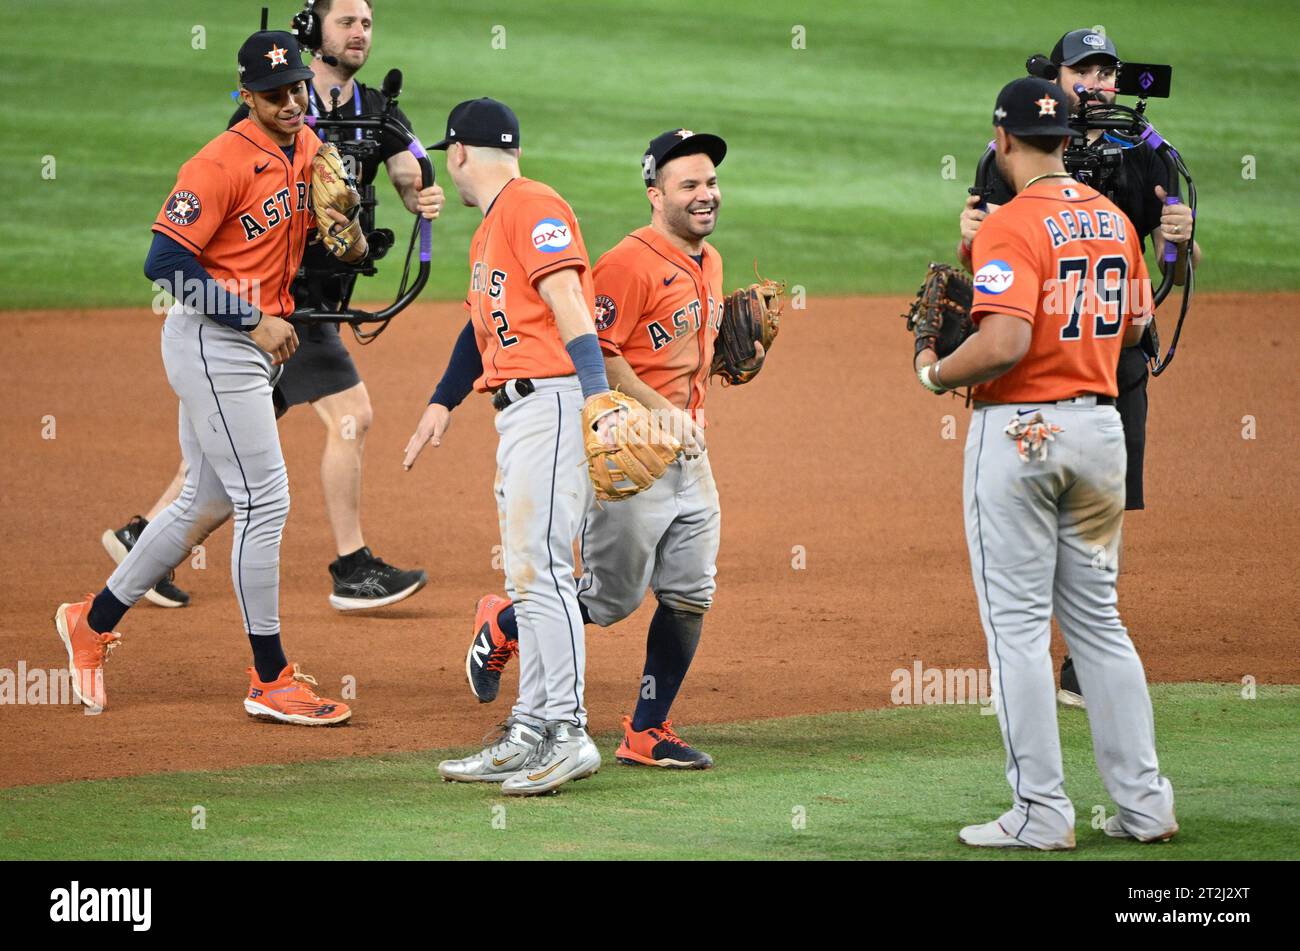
{"x":276,"y":56}
{"x":1046,"y":106}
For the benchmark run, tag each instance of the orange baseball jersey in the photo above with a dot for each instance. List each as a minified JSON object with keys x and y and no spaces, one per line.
{"x":1062,"y":257}
{"x":660,"y":310}
{"x":528,"y":232}
{"x":242,"y":207}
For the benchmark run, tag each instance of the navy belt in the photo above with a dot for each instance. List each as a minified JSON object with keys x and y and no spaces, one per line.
{"x":1088,"y":399}
{"x":1084,"y":399}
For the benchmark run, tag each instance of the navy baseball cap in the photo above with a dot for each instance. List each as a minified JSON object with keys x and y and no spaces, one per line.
{"x":1032,"y":106}
{"x":271,"y":59}
{"x":484,"y":122}
{"x":1078,"y":45}
{"x":676,"y":143}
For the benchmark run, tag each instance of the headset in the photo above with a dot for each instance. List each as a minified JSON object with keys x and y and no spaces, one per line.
{"x":306,"y":26}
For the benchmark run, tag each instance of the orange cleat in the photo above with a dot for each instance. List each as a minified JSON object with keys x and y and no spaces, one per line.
{"x":87,"y":651}
{"x":659,"y":746}
{"x":290,"y":699}
{"x":489,"y":652}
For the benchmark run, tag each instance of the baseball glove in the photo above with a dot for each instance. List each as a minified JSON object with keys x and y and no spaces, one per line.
{"x":642,"y":452}
{"x":332,"y":188}
{"x":749,"y":315}
{"x":940,"y":315}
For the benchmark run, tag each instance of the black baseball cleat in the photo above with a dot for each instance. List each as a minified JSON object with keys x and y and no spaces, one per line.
{"x":1070,"y":694}
{"x":371,"y":582}
{"x":165,"y":594}
{"x":118,"y":543}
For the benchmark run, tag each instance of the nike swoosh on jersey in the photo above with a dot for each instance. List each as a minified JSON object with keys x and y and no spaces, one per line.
{"x":669,"y":280}
{"x":259,"y":169}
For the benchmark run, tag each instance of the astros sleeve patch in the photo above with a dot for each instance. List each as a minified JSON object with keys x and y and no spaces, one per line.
{"x":620,"y":302}
{"x":196,"y":206}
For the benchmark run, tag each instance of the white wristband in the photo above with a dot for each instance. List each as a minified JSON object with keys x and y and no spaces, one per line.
{"x":927,"y":380}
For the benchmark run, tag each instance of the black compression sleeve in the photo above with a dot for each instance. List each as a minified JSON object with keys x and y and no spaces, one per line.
{"x":464,"y":367}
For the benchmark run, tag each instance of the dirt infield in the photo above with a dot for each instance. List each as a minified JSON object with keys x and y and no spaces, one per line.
{"x":834,"y":450}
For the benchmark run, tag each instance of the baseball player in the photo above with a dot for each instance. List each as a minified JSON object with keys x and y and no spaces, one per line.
{"x":658,"y":306}
{"x":1087,"y":58}
{"x":230,"y":236}
{"x":1060,"y":287}
{"x":321,"y":371}
{"x":530,"y":342}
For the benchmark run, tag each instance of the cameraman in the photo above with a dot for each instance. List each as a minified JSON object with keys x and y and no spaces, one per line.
{"x":1138,"y":186}
{"x":321,"y":371}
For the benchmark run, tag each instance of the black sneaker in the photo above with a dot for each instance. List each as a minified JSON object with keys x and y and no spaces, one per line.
{"x":371,"y":583}
{"x":1070,"y":694}
{"x":117,"y":543}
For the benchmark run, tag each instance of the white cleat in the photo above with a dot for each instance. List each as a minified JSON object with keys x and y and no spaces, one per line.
{"x":991,"y":835}
{"x":567,"y":753}
{"x":1115,"y":829}
{"x":1068,"y":698}
{"x":497,"y":762}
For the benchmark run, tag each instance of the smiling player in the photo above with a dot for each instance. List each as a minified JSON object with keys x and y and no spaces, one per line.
{"x":227,"y":243}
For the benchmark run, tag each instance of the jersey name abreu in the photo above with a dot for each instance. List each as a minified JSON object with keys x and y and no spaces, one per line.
{"x":241,"y":205}
{"x":529,"y":231}
{"x":660,"y":309}
{"x":1070,"y":224}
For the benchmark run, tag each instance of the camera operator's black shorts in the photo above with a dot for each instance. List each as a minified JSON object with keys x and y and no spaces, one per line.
{"x":1131,"y":377}
{"x":321,"y":366}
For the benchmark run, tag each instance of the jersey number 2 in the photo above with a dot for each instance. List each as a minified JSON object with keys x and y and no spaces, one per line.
{"x":1107,"y":284}
{"x":503,"y":329}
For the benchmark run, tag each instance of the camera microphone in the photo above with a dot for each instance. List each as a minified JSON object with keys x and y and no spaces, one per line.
{"x":1042,"y":67}
{"x":1085,"y":95}
{"x":393,"y":84}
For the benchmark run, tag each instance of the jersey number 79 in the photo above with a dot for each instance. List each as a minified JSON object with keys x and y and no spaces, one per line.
{"x":1102,"y":286}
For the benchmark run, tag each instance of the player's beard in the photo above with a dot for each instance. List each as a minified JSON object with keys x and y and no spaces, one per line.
{"x":686,"y":225}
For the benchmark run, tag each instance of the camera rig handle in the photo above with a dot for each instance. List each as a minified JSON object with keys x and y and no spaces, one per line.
{"x":981,"y":186}
{"x":409,"y":288}
{"x":1176,"y":170}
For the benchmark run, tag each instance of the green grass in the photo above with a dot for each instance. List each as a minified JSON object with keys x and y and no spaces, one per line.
{"x":834,"y":176}
{"x":883,"y":784}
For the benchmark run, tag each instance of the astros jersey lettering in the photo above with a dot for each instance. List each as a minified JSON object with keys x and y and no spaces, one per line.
{"x":1065,"y":259}
{"x":528,"y":232}
{"x":242,"y":207}
{"x":660,"y":310}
